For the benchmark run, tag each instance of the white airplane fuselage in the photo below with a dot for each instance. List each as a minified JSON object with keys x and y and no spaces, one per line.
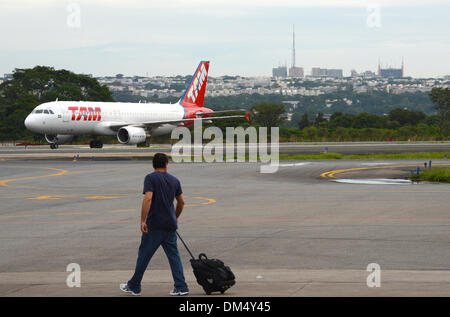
{"x":97,"y":118}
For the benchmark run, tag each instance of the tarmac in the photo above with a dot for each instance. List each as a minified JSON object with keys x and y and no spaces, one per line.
{"x":296,"y":232}
{"x":125,"y":152}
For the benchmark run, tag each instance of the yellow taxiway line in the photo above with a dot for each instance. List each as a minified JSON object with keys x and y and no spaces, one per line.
{"x":5,"y":182}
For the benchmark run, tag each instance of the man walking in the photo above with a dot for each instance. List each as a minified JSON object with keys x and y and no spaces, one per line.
{"x":158,"y":226}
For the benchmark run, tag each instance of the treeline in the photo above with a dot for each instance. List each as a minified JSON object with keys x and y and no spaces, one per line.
{"x":399,"y":125}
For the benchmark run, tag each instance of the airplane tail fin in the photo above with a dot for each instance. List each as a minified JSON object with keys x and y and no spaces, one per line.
{"x":194,"y":94}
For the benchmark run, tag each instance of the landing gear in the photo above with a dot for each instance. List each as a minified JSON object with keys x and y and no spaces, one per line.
{"x":144,"y":144}
{"x":96,"y":144}
{"x":53,"y":146}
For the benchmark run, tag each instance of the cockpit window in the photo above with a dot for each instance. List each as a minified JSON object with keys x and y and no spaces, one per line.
{"x":39,"y":111}
{"x":51,"y":112}
{"x":46,"y":111}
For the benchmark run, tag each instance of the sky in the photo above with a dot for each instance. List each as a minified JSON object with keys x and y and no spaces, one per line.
{"x":246,"y":37}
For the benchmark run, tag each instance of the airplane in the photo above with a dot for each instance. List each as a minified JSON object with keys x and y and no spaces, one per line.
{"x":132,"y":123}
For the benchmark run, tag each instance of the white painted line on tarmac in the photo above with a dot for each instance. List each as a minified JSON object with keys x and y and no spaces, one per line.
{"x":374,"y":181}
{"x":293,"y":164}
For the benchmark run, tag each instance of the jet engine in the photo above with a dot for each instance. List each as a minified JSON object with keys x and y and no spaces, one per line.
{"x":131,"y":135}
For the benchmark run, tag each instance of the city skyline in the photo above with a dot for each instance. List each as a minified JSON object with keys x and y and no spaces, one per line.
{"x":168,"y":37}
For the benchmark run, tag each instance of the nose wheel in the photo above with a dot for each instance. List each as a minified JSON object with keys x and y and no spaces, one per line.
{"x":96,"y":144}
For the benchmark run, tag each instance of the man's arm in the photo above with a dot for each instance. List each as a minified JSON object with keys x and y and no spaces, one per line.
{"x":146,"y":203}
{"x":180,"y":205}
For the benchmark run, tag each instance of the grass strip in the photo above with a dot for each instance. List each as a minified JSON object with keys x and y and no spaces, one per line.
{"x":435,"y":174}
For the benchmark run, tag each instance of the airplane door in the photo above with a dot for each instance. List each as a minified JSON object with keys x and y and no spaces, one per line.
{"x":66,"y":116}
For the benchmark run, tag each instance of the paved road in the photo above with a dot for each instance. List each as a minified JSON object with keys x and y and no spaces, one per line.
{"x":124,"y":151}
{"x":294,"y":224}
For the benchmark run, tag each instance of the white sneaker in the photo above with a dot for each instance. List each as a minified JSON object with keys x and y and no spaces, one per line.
{"x":124,"y":288}
{"x":177,"y":292}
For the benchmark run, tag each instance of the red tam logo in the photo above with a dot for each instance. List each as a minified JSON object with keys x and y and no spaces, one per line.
{"x":87,"y":113}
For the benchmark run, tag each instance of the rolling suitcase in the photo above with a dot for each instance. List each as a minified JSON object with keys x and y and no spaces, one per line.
{"x":211,"y":274}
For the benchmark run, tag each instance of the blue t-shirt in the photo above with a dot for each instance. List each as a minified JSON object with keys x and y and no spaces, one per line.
{"x":165,"y":188}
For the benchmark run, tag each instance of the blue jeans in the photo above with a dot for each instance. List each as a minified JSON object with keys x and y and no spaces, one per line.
{"x":150,"y":242}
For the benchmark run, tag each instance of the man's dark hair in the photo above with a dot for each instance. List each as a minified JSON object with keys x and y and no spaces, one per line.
{"x":160,"y":160}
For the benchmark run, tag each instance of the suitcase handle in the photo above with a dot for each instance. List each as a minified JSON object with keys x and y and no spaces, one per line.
{"x":186,"y":246}
{"x":202,"y":255}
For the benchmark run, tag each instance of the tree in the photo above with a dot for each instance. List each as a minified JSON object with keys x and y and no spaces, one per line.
{"x":304,"y":121}
{"x":319,"y":119}
{"x":31,"y":87}
{"x":441,"y":99}
{"x":310,"y":133}
{"x":404,"y":116}
{"x":268,"y":115}
{"x":367,"y":120}
{"x":342,"y":134}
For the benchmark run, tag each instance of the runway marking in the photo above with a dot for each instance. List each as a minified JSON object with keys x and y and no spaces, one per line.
{"x":5,"y":182}
{"x":293,"y":164}
{"x":105,"y":170}
{"x":45,"y":197}
{"x":123,"y":210}
{"x":20,"y":216}
{"x":209,"y":201}
{"x":103,"y":197}
{"x":32,"y":187}
{"x":331,"y":174}
{"x":75,"y":213}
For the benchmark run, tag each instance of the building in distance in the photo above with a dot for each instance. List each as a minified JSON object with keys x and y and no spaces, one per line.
{"x":280,"y":71}
{"x":390,"y":72}
{"x":366,"y":74}
{"x":296,"y":72}
{"x":324,"y":72}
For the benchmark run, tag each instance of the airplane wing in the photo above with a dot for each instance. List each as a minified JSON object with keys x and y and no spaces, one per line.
{"x":183,"y":122}
{"x":201,"y":114}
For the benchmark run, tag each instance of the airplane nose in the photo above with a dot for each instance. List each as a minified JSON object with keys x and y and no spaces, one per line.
{"x":29,"y":123}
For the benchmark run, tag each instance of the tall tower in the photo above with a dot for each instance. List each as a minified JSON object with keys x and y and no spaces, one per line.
{"x":403,"y":67}
{"x":294,"y":71}
{"x":293,"y":46}
{"x":379,"y":67}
